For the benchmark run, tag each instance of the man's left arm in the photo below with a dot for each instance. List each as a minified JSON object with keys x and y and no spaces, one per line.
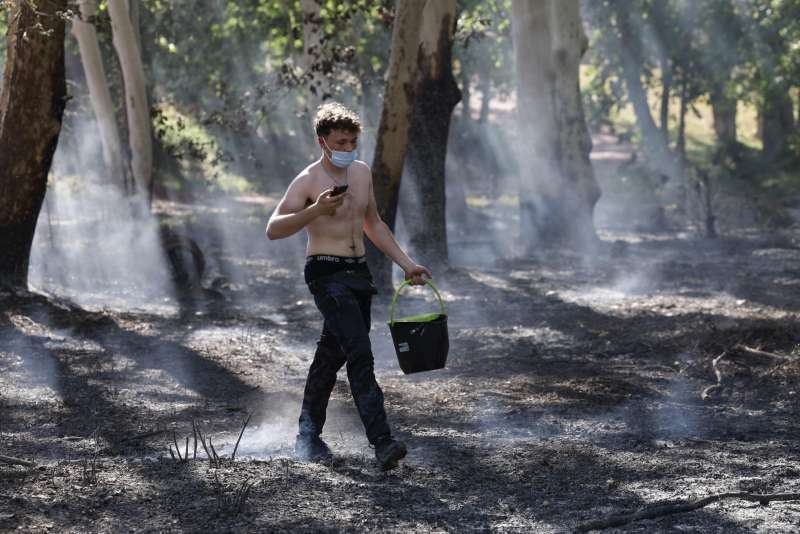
{"x":383,"y":238}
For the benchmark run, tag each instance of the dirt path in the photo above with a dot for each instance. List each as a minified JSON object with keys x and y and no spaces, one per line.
{"x":573,"y":391}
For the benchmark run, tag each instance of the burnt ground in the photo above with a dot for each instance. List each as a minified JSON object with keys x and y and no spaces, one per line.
{"x":574,"y":390}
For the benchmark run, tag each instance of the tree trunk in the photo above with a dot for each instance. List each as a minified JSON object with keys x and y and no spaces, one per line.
{"x":723,"y":108}
{"x":138,"y":111}
{"x":681,"y":145}
{"x":100,"y":96}
{"x":654,"y":145}
{"x":777,"y":122}
{"x":486,"y":96}
{"x":666,"y":89}
{"x":437,"y":96}
{"x":31,"y":107}
{"x":466,"y":95}
{"x":311,"y":59}
{"x":392,"y":139}
{"x":557,"y":187}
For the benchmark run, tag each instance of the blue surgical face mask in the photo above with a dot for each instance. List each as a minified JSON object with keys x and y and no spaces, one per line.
{"x":339,"y":158}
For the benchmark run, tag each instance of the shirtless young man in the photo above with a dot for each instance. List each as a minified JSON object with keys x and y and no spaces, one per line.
{"x":337,"y":275}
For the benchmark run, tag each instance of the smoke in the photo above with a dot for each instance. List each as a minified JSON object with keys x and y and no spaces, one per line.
{"x":93,"y":244}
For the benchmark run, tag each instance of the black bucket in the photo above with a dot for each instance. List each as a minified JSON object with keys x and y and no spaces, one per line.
{"x":420,"y":341}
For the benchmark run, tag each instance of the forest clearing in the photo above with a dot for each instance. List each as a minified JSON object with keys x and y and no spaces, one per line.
{"x":585,"y":400}
{"x":206,"y":210}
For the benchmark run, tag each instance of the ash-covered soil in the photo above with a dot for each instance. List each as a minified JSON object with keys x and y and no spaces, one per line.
{"x":578,"y":386}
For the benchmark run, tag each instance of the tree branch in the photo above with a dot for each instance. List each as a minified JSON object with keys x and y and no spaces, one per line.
{"x":681,"y":507}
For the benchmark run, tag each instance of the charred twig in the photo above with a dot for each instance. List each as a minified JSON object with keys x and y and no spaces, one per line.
{"x":194,"y":433}
{"x":16,"y":461}
{"x":236,"y":447}
{"x":203,"y":442}
{"x":681,"y":507}
{"x":213,"y":451}
{"x":718,"y":373}
{"x":759,"y":352}
{"x":177,"y":448}
{"x":232,"y":502}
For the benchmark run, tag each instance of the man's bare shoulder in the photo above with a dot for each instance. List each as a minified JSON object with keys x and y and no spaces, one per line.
{"x":305,"y":177}
{"x":361,"y":168}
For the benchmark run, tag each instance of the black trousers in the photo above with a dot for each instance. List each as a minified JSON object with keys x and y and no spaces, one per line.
{"x":343,"y":290}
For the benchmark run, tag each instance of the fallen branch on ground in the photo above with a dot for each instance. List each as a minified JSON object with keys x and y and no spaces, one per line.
{"x":16,"y":461}
{"x":681,"y":507}
{"x":759,"y":352}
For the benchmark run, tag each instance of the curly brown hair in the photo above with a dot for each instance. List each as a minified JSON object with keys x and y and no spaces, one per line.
{"x":335,"y":116}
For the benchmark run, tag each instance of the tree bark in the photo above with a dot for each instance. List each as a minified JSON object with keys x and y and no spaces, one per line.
{"x":31,"y":108}
{"x":311,"y":58}
{"x":437,"y":96}
{"x":100,"y":96}
{"x":395,"y":123}
{"x":557,"y":186}
{"x":137,"y":109}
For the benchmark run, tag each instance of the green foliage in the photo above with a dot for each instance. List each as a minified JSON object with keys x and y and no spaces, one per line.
{"x":483,"y":44}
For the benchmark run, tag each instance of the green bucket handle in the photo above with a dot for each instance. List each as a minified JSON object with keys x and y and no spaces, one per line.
{"x":397,"y":294}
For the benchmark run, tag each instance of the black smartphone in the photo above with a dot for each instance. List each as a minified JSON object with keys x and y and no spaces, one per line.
{"x":339,"y":189}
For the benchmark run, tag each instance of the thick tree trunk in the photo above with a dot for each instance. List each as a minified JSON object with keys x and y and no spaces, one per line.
{"x":138,"y":111}
{"x":557,"y":190}
{"x":666,"y":89}
{"x":31,"y":107}
{"x":311,"y":59}
{"x":654,"y":146}
{"x":437,"y":96}
{"x":395,"y":123}
{"x":102,"y":105}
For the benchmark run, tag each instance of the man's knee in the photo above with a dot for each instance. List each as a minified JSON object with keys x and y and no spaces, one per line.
{"x":358,"y":349}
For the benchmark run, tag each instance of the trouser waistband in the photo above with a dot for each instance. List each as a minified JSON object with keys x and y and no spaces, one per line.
{"x":336,"y":259}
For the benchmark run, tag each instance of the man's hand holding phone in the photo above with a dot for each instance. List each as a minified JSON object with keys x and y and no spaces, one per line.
{"x":328,"y":201}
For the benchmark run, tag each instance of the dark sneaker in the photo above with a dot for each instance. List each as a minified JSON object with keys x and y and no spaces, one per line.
{"x":388,"y":452}
{"x":311,"y":449}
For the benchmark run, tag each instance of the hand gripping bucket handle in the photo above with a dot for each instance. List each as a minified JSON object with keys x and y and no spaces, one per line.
{"x":420,"y":341}
{"x":392,"y":309}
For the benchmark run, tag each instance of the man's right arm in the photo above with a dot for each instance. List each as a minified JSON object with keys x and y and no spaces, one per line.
{"x":292,"y":213}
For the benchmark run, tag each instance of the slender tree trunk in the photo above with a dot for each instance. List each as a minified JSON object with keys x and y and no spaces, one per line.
{"x":466,"y":95}
{"x":100,"y":96}
{"x":557,"y":190}
{"x":654,"y":146}
{"x":437,"y":96}
{"x":138,"y":110}
{"x":681,"y":145}
{"x":486,"y":96}
{"x":31,"y":108}
{"x":777,"y":122}
{"x":723,"y":108}
{"x":395,"y":123}
{"x":666,"y":89}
